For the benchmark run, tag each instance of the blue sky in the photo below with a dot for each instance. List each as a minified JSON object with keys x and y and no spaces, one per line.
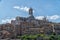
{"x":50,"y":8}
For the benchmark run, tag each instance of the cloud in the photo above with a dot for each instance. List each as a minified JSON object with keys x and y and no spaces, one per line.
{"x":39,"y":17}
{"x":53,"y":17}
{"x":17,"y":7}
{"x":26,"y":9}
{"x":7,"y":20}
{"x":22,"y":8}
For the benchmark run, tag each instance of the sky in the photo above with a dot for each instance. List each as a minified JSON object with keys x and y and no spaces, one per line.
{"x":9,"y":9}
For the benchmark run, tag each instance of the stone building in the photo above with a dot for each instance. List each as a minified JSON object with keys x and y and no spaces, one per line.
{"x":30,"y":25}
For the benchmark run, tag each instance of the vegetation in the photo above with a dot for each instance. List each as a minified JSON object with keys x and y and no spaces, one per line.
{"x":37,"y":36}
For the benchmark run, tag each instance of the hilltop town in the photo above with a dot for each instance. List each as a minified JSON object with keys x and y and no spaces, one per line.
{"x":30,"y":25}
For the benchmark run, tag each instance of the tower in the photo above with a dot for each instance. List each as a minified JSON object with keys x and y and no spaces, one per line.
{"x":31,"y":12}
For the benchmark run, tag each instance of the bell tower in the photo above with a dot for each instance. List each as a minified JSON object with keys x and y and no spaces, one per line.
{"x":31,"y":12}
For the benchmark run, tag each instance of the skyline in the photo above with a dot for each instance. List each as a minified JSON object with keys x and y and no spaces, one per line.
{"x":9,"y":9}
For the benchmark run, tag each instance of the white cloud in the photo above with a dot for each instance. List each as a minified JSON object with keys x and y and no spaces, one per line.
{"x":40,"y":17}
{"x":7,"y":20}
{"x":22,"y":8}
{"x":17,"y":7}
{"x":53,"y":17}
